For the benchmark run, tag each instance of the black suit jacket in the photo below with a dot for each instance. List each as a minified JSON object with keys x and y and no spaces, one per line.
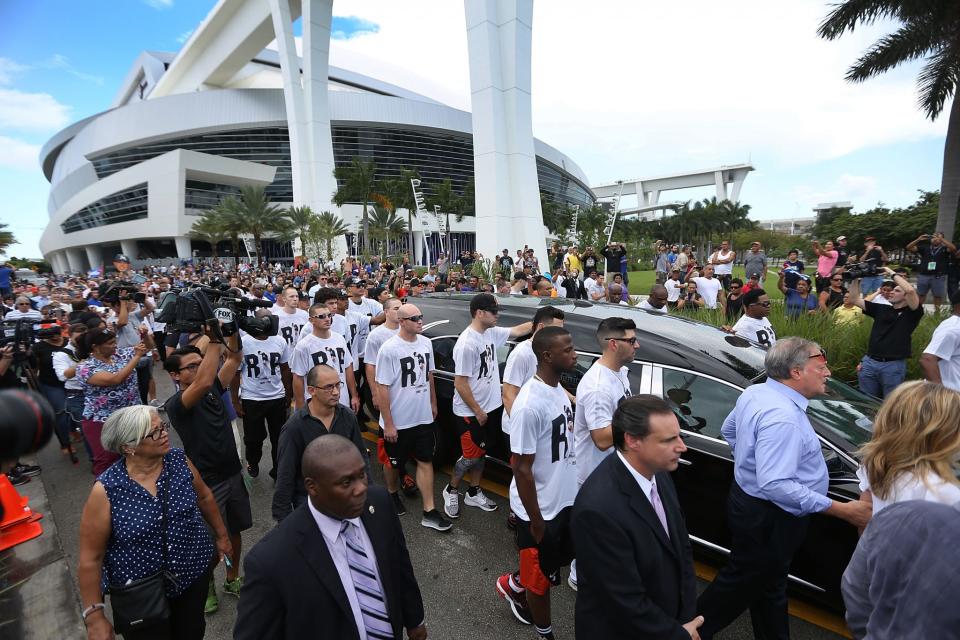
{"x":633,"y":581}
{"x":292,"y":588}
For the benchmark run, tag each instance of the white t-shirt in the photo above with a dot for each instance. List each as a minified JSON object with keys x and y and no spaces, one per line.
{"x":644,"y":304}
{"x":907,"y":486}
{"x":757,"y":329}
{"x":521,"y":366}
{"x":595,"y":288}
{"x":475,"y":356}
{"x":357,"y":330}
{"x":598,"y":396}
{"x":260,"y":377}
{"x":945,"y":344}
{"x":375,"y":340}
{"x":332,"y":351}
{"x":367,"y":307}
{"x":709,"y":289}
{"x":674,"y":289}
{"x":722,"y":269}
{"x":404,"y":369}
{"x":543,"y":425}
{"x":291,"y":324}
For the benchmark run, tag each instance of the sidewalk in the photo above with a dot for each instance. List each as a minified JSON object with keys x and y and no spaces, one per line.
{"x":38,"y":596}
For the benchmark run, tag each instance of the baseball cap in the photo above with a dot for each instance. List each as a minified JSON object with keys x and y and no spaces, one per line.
{"x":414,"y":282}
{"x":755,"y":275}
{"x":839,"y":238}
{"x":121,"y":258}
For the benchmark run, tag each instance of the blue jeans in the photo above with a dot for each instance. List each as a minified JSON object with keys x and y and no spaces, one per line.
{"x":870,"y":284}
{"x":879,"y":379}
{"x":61,"y":427}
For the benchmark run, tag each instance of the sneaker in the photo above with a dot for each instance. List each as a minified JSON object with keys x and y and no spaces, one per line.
{"x":26,"y":469}
{"x":479,"y":501}
{"x":572,"y":583}
{"x":545,"y":636}
{"x":517,"y":601}
{"x":451,"y":503}
{"x":212,"y":603}
{"x":433,"y":520}
{"x":233,"y":586}
{"x":17,"y":479}
{"x":398,"y":504}
{"x":512,"y":521}
{"x":408,"y":485}
{"x":253,"y":470}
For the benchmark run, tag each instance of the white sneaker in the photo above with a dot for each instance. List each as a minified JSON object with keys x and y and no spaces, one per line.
{"x":451,"y":503}
{"x":156,"y":403}
{"x":480,"y":501}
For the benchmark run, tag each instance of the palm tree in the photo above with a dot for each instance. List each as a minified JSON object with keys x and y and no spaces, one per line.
{"x":6,"y":238}
{"x":359,"y":184}
{"x":385,"y":223}
{"x":396,"y":193}
{"x":253,"y":214}
{"x":324,"y":229}
{"x":927,"y":29}
{"x":210,"y":230}
{"x":301,"y":219}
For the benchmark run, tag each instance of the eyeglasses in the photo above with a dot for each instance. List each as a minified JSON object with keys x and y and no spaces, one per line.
{"x":761,"y":304}
{"x":321,"y":316}
{"x":837,"y":279}
{"x":193,"y":366}
{"x":157,"y":433}
{"x":822,"y":354}
{"x":23,"y":304}
{"x":632,"y":340}
{"x":418,"y":318}
{"x":329,"y":388}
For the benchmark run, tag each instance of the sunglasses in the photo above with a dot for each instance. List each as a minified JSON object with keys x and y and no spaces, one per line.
{"x":321,"y":316}
{"x":193,"y":366}
{"x":418,"y":318}
{"x":762,"y":304}
{"x":494,"y":311}
{"x":734,"y":287}
{"x":822,"y":354}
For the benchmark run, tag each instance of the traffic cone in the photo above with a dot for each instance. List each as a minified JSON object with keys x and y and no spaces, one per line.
{"x":18,"y":522}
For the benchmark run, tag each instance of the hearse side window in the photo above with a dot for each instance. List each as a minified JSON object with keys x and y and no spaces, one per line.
{"x":570,"y":379}
{"x":701,"y":404}
{"x":443,"y":353}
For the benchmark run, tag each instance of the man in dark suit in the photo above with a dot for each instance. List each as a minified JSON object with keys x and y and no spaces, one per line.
{"x":337,"y":566}
{"x":635,"y":574}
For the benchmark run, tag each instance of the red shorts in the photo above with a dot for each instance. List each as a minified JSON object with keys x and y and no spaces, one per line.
{"x":382,"y":456}
{"x":531,"y":576}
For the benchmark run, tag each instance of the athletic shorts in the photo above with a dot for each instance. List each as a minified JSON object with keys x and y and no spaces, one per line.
{"x":936,"y":284}
{"x":540,"y":563}
{"x":419,"y":441}
{"x":233,"y":501}
{"x":476,"y":438}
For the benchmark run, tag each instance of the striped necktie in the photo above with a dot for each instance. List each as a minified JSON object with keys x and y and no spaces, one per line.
{"x":363,"y":570}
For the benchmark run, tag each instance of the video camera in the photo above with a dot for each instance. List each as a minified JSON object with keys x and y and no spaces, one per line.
{"x":21,"y":334}
{"x":111,"y":290}
{"x":860,"y":270}
{"x":190,"y":308}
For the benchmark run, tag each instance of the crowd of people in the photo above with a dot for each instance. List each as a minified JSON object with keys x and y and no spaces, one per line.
{"x":591,"y":484}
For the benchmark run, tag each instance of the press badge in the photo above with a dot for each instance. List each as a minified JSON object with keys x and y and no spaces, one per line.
{"x":932,"y":265}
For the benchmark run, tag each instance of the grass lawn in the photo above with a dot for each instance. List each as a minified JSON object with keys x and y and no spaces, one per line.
{"x":641,"y":281}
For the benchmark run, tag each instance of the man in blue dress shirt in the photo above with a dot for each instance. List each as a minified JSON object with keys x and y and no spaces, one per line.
{"x":780,"y":480}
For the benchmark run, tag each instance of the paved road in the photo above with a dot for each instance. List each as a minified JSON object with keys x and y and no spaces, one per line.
{"x":456,"y":570}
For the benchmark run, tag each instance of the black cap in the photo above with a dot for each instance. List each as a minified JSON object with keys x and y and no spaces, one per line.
{"x":121,"y":258}
{"x":755,"y":275}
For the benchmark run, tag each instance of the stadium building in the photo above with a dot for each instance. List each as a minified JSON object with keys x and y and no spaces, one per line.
{"x":133,"y":179}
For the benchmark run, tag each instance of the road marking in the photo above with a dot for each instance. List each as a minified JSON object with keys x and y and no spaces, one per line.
{"x":797,"y":608}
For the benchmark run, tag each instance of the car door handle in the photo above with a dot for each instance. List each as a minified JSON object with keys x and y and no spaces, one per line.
{"x":685,"y":462}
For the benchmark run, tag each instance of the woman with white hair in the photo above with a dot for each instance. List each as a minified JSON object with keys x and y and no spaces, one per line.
{"x":151,"y":499}
{"x":22,"y":310}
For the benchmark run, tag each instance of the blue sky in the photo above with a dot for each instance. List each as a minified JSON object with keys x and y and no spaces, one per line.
{"x":621,"y":106}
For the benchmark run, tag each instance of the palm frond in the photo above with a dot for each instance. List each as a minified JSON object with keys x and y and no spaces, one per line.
{"x":845,"y":16}
{"x":938,"y":80}
{"x":908,"y":43}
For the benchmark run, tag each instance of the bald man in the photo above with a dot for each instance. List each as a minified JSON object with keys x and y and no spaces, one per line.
{"x":408,"y":407}
{"x":343,"y":551}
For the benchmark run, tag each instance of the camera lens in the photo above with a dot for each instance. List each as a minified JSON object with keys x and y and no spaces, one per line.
{"x":26,"y":423}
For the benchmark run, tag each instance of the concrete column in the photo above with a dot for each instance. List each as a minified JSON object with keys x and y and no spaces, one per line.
{"x":417,"y":256}
{"x":55,"y":259}
{"x":94,"y":256}
{"x":74,"y":260}
{"x":183,"y":247}
{"x":720,"y":184}
{"x":129,"y":248}
{"x":738,"y":179}
{"x":508,"y":210}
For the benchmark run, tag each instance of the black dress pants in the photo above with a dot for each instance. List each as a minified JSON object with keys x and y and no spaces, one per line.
{"x":259,"y":418}
{"x":764,"y":540}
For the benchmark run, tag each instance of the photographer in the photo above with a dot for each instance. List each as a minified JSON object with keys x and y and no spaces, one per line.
{"x":198,"y":412}
{"x":885,"y":364}
{"x":934,"y":262}
{"x":127,"y":325}
{"x":19,"y":473}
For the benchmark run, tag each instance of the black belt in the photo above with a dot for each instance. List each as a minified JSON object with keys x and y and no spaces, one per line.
{"x":74,"y":392}
{"x":884,"y":359}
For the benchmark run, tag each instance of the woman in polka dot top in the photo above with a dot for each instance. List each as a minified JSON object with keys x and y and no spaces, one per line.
{"x":122,"y":527}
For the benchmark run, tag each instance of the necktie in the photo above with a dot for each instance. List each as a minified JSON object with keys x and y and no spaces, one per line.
{"x":373,"y":606}
{"x":658,"y":507}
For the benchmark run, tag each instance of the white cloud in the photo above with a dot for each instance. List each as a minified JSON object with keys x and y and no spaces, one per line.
{"x":183,"y":37}
{"x":159,"y":4}
{"x":19,"y":155}
{"x":847,"y":187}
{"x":630,"y":89}
{"x":33,"y":111}
{"x":58,"y":61}
{"x":8,"y":69}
